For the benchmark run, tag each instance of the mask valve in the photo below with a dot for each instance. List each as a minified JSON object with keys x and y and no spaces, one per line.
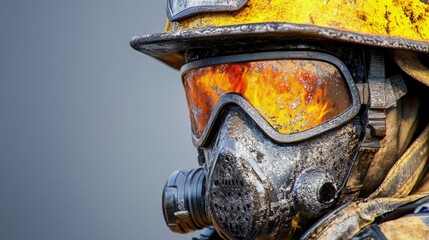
{"x":314,"y":192}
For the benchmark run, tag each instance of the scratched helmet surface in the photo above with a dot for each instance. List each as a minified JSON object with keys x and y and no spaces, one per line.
{"x":197,"y":24}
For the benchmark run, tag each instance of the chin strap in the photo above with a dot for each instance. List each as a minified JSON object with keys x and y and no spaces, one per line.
{"x":379,"y":94}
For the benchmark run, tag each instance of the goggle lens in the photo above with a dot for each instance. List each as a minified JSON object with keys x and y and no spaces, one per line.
{"x":292,"y":95}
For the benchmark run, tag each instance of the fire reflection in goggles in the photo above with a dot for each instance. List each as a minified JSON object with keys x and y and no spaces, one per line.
{"x":291,"y":95}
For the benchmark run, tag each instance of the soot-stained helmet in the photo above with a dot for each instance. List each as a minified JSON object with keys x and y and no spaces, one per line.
{"x":194,"y":24}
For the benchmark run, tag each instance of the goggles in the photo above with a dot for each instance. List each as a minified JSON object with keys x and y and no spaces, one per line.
{"x":291,"y":96}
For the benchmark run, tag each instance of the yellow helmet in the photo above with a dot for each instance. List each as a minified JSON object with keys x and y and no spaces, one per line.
{"x":197,"y":24}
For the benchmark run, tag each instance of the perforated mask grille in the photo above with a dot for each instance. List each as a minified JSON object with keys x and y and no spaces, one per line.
{"x":234,"y":198}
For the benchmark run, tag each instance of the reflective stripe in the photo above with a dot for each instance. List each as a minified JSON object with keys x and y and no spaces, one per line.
{"x":178,"y":9}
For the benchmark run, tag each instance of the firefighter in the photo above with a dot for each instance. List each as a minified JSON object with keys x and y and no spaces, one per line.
{"x":310,"y":117}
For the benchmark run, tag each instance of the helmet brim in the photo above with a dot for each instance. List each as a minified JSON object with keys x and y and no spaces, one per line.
{"x":414,"y":64}
{"x":169,"y":46}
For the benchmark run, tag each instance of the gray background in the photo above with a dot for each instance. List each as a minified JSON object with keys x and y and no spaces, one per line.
{"x":90,"y":129}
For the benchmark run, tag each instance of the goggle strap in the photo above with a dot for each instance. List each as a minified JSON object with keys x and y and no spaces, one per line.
{"x":380,"y":93}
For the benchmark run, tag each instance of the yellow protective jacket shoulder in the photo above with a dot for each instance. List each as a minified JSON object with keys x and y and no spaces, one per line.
{"x":408,"y":227}
{"x":414,"y":225}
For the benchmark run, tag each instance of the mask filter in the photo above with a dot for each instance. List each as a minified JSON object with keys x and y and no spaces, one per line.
{"x":183,"y":201}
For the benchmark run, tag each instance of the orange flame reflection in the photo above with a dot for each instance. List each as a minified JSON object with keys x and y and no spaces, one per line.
{"x":291,"y":95}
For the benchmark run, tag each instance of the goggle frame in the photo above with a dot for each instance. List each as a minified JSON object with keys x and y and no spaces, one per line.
{"x":232,"y":98}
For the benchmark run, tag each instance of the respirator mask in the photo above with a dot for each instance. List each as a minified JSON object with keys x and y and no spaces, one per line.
{"x":277,"y":133}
